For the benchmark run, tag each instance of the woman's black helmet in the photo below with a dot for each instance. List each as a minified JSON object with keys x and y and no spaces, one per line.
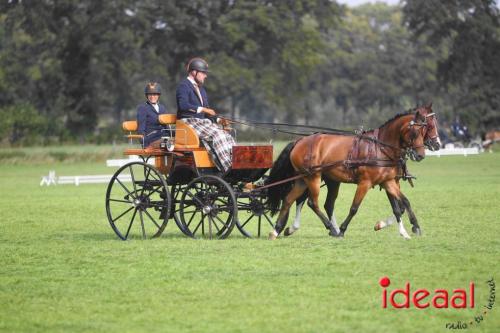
{"x":152,"y":88}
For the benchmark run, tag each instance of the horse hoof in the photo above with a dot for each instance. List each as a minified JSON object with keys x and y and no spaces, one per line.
{"x":272,"y":235}
{"x":336,"y":234}
{"x":287,"y":232}
{"x":405,"y":236}
{"x":416,"y":231}
{"x":379,"y":225}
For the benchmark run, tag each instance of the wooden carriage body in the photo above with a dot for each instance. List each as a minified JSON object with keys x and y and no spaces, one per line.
{"x":249,"y":162}
{"x":178,"y":179}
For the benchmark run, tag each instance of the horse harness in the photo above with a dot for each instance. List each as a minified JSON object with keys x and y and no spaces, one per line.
{"x":364,"y":152}
{"x":354,"y":160}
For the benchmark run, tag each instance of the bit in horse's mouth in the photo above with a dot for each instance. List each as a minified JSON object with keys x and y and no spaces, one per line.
{"x":432,"y":145}
{"x":414,"y":156}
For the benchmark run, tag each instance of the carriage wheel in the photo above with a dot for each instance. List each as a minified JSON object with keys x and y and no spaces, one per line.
{"x":138,"y":201}
{"x":208,"y":208}
{"x":176,"y":193}
{"x":253,"y":215}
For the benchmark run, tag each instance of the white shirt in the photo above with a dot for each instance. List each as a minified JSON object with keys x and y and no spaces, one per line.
{"x":156,"y":107}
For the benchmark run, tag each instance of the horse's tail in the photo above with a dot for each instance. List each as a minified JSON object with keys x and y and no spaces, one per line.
{"x":281,"y":170}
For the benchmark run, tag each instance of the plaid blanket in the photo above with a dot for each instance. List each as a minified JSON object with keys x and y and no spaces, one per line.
{"x":222,"y":142}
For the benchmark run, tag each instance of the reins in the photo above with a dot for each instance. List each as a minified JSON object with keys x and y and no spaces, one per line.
{"x":274,"y":127}
{"x":377,"y":162}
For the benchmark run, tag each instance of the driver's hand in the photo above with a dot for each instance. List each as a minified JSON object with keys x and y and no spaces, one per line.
{"x":224,"y":122}
{"x":208,"y":111}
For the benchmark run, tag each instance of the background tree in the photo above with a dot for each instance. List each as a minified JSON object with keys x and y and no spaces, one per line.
{"x":82,"y":67}
{"x":471,"y":66}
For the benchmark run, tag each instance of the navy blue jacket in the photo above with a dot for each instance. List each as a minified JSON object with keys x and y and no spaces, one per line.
{"x":188,"y":101}
{"x":147,"y":122}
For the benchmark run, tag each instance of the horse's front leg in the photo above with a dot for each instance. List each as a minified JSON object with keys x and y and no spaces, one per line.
{"x":394,"y":195}
{"x":361,"y":191}
{"x":381,"y":224}
{"x":298,"y":188}
{"x":413,"y":219}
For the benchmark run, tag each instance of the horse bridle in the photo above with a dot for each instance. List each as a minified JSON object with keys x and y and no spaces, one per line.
{"x":424,"y":128}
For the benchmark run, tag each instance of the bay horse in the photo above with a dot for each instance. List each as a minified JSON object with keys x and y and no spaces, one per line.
{"x":490,"y":138}
{"x":432,"y":142}
{"x":371,"y":158}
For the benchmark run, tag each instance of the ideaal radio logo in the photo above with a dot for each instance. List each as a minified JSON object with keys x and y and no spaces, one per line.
{"x":460,"y":298}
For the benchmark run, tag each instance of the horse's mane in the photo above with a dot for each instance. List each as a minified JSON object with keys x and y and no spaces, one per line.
{"x":402,"y":114}
{"x":410,"y":111}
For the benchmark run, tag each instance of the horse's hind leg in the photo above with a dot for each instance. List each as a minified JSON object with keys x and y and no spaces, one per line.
{"x":298,"y":188}
{"x":299,"y":203}
{"x":313,"y":183}
{"x":331,"y":197}
{"x":413,"y":219}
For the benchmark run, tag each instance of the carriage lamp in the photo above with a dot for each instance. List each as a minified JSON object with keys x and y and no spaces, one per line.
{"x":168,"y":144}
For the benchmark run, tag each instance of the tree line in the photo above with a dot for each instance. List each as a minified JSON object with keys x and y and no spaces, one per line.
{"x":73,"y":71}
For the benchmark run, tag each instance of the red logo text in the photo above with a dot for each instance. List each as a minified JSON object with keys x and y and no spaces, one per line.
{"x":405,"y":297}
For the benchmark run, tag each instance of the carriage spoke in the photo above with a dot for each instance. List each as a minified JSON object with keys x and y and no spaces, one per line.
{"x":198,"y":226}
{"x":268,"y":220}
{"x":221,"y":199}
{"x":125,"y":188}
{"x":142,"y":225}
{"x":152,"y":219}
{"x":187,"y":211}
{"x":215,"y":224}
{"x":122,"y":201}
{"x":195,"y":198}
{"x":155,"y":190}
{"x":145,"y":180}
{"x":125,"y":212}
{"x":131,"y":222}
{"x":210,"y":223}
{"x":133,"y":178}
{"x":191,"y":219}
{"x":153,"y":175}
{"x":247,"y":220}
{"x":259,"y":225}
{"x":224,"y":224}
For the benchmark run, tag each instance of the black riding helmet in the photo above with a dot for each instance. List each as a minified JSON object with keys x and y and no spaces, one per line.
{"x":152,"y":88}
{"x":197,"y":64}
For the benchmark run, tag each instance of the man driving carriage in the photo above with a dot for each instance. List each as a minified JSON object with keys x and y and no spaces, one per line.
{"x":194,"y":110}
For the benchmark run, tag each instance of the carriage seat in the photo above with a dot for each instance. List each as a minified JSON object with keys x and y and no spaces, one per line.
{"x":185,"y":136}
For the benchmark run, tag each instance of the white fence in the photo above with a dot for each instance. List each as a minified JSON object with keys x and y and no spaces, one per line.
{"x":52,"y":179}
{"x":452,"y":151}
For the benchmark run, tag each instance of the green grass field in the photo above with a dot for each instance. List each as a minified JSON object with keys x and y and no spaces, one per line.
{"x":62,"y":269}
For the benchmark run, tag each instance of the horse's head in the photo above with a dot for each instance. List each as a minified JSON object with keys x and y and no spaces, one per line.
{"x":431,"y":139}
{"x":422,"y":133}
{"x":413,"y":135}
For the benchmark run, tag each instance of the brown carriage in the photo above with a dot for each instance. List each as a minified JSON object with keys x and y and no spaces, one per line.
{"x":180,"y":180}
